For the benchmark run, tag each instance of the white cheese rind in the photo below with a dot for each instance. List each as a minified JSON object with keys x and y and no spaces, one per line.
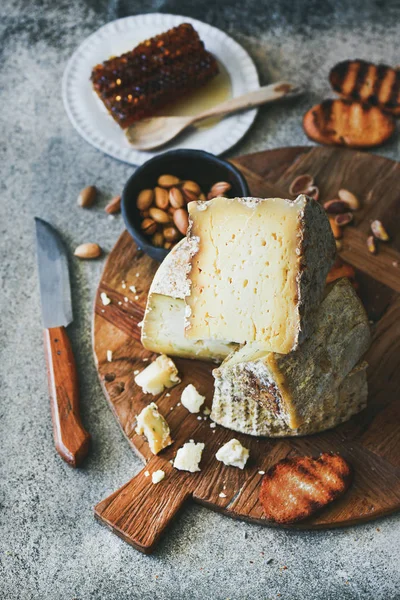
{"x":191,"y":399}
{"x":233,"y":454}
{"x":161,"y":373}
{"x":266,"y":393}
{"x":163,"y":328}
{"x":259,"y":270}
{"x":155,"y":428}
{"x":188,"y":457}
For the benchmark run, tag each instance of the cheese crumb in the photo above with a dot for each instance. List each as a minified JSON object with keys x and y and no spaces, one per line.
{"x":105,"y":299}
{"x":158,"y":476}
{"x":160,"y":374}
{"x":222,"y":495}
{"x":261,"y":472}
{"x":154,"y":427}
{"x":109,"y":355}
{"x":126,"y":299}
{"x":146,"y":474}
{"x":188,"y":457}
{"x":123,"y":285}
{"x":136,"y":372}
{"x":136,"y":297}
{"x":191,"y":399}
{"x":140,"y":324}
{"x":213,"y":425}
{"x":133,"y":289}
{"x":233,"y":454}
{"x":206,"y":411}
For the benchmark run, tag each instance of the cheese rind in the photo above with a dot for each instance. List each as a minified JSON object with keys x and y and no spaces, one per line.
{"x":274,"y":394}
{"x":163,"y":328}
{"x":155,"y":428}
{"x":258,"y":269}
{"x":233,"y":454}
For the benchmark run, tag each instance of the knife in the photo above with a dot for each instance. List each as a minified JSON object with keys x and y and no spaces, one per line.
{"x":70,"y":438}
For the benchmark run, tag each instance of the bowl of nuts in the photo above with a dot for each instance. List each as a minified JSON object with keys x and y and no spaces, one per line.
{"x":154,"y":200}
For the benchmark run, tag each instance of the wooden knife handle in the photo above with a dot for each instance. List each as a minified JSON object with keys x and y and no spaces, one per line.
{"x":70,"y":437}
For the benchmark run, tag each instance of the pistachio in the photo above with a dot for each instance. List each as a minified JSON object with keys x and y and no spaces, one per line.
{"x":336,"y":206}
{"x":114,"y":206}
{"x":168,"y":181}
{"x":161,"y":197}
{"x":336,"y":230}
{"x":379,"y":231}
{"x":181,"y":220}
{"x":219,"y":189}
{"x":349,"y":198}
{"x":89,"y":250}
{"x":300,"y":184}
{"x":176,"y":199}
{"x":145,"y":199}
{"x":171,"y":234}
{"x":87,"y":196}
{"x":148,"y":226}
{"x":343,"y":219}
{"x":372,"y":245}
{"x":313,"y":192}
{"x":171,"y":210}
{"x":158,"y":239}
{"x":159,"y":216}
{"x":191,"y":186}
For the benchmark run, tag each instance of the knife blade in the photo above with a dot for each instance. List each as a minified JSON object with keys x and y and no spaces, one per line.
{"x":70,"y":438}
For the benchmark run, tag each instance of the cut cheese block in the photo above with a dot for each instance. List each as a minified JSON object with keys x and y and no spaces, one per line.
{"x":257,"y":269}
{"x":163,"y":328}
{"x":311,"y":389}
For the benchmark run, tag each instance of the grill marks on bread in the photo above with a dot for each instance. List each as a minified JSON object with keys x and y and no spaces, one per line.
{"x":379,"y":85}
{"x":348,"y":123}
{"x":296,"y":488}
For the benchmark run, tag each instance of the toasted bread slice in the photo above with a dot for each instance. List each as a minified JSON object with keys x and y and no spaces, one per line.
{"x":378,"y":85}
{"x":348,"y":123}
{"x":296,"y":488}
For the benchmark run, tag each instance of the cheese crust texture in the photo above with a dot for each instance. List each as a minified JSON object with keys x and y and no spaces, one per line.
{"x":311,"y":389}
{"x":163,"y":328}
{"x":257,"y":270}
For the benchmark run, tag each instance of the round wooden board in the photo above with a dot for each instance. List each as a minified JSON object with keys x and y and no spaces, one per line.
{"x":140,"y":511}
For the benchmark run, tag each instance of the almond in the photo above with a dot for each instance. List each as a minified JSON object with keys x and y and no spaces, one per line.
{"x":300,"y":184}
{"x":219,"y":189}
{"x":176,"y":199}
{"x":159,"y":216}
{"x":171,"y":234}
{"x":89,"y":250}
{"x":145,"y":199}
{"x":167,"y":181}
{"x":114,"y":206}
{"x":181,"y":220}
{"x":336,"y":206}
{"x":191,"y":186}
{"x":87,"y":196}
{"x":379,"y":231}
{"x":148,"y":226}
{"x":158,"y":239}
{"x":349,"y":198}
{"x":161,"y":198}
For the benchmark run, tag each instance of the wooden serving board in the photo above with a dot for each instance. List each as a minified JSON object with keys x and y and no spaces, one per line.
{"x":140,"y":511}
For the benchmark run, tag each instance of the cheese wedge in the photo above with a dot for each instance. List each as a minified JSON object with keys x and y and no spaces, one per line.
{"x":163,"y":327}
{"x":257,"y":270}
{"x":311,"y":389}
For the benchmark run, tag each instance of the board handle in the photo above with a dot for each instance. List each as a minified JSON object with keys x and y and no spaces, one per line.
{"x":140,"y":510}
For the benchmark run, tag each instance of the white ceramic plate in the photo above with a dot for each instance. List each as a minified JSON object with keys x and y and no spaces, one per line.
{"x":90,"y":118}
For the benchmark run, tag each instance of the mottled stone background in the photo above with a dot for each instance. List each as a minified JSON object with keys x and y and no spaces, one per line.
{"x":51,"y":547}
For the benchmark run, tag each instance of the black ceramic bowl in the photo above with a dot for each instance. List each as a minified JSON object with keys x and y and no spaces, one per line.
{"x":202,"y":167}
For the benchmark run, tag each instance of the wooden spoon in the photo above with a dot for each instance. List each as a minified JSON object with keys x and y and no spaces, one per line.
{"x":157,"y":131}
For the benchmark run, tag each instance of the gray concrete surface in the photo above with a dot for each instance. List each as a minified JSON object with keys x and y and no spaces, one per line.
{"x":51,"y":547}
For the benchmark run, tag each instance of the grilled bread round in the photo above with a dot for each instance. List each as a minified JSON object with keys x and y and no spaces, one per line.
{"x":378,"y":85}
{"x":348,"y":123}
{"x":296,"y":488}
